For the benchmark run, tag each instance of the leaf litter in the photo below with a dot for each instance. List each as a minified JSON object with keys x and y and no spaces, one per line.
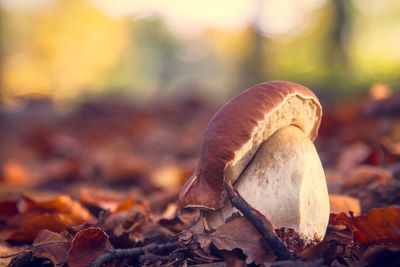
{"x":104,"y":179}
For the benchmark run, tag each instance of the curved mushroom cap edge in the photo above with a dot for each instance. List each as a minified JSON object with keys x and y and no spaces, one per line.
{"x":233,"y":127}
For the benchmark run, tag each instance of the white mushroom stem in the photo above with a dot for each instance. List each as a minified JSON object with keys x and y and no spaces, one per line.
{"x":285,"y":181}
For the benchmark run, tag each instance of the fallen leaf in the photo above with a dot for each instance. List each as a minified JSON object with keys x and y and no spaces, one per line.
{"x":7,"y":249}
{"x":292,"y":240}
{"x":385,"y":106}
{"x":61,"y":204}
{"x":359,"y":176}
{"x":378,"y":226}
{"x":8,"y":208}
{"x":340,"y":203}
{"x":33,"y":216}
{"x":128,"y":222}
{"x":117,"y":163}
{"x":351,"y":156}
{"x":54,"y":222}
{"x":141,"y":207}
{"x":239,"y":234}
{"x":379,"y":196}
{"x":382,"y":256}
{"x":170,"y":218}
{"x":364,"y":174}
{"x":52,"y":246}
{"x":170,"y":176}
{"x":15,"y":173}
{"x":86,"y":246}
{"x":336,"y":243}
{"x":198,"y":248}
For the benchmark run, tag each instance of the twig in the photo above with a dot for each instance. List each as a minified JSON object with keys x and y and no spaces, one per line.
{"x":316,"y":263}
{"x":14,"y":254}
{"x":31,"y":248}
{"x":111,"y":255}
{"x":263,"y":226}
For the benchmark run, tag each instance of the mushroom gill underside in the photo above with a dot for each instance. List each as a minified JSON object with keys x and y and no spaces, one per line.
{"x":285,"y":181}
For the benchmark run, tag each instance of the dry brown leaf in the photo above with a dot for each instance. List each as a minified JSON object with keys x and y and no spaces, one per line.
{"x":170,"y":176}
{"x":33,"y":216}
{"x":378,"y":226}
{"x":351,"y":156}
{"x":336,"y":243}
{"x":382,"y":256}
{"x":8,"y":208}
{"x":86,"y":246}
{"x":52,"y":246}
{"x":54,"y":170}
{"x":141,"y":207}
{"x":365,"y":174}
{"x":200,"y":252}
{"x":105,"y":199}
{"x":130,"y":218}
{"x":341,"y":203}
{"x":170,"y":218}
{"x":359,"y":176}
{"x":7,"y":249}
{"x":239,"y":234}
{"x":54,"y":222}
{"x":15,"y":173}
{"x":62,"y":204}
{"x":117,"y":163}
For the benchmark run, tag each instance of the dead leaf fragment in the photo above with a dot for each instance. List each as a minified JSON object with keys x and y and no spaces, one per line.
{"x":240,"y":234}
{"x":360,"y":176}
{"x":33,"y":216}
{"x":382,"y":256}
{"x":52,"y":246}
{"x":130,"y":219}
{"x":8,"y":208}
{"x":336,"y":244}
{"x":378,"y":226}
{"x":170,"y":176}
{"x":53,"y":222}
{"x":7,"y":249}
{"x":364,"y":174}
{"x":341,"y":203}
{"x":15,"y":173}
{"x":351,"y":156}
{"x":86,"y":246}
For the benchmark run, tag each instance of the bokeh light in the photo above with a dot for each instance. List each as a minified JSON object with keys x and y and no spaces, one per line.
{"x":73,"y":49}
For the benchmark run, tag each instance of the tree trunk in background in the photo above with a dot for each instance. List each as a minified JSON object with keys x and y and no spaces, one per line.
{"x":252,"y":69}
{"x":336,"y":48}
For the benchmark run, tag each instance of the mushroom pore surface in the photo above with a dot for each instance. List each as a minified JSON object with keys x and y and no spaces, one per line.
{"x":285,"y":181}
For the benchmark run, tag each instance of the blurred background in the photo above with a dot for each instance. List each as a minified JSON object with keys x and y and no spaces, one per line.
{"x":111,"y":93}
{"x":72,"y":50}
{"x":108,"y":100}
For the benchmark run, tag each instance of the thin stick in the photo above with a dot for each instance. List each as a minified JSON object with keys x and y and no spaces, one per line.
{"x":111,"y":255}
{"x":31,"y":248}
{"x":258,"y":220}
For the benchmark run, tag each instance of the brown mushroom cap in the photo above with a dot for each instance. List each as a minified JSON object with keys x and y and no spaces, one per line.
{"x":237,"y":130}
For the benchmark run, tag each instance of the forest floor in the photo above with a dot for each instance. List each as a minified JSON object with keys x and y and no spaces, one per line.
{"x":99,"y":186}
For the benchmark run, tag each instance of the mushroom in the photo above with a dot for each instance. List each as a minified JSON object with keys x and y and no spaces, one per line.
{"x":261,"y":141}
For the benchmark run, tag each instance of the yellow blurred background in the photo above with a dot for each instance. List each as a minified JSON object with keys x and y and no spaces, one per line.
{"x":71,"y":50}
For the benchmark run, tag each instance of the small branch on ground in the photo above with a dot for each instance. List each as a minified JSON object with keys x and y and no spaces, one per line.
{"x":110,"y":255}
{"x":260,"y":222}
{"x":31,"y":248}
